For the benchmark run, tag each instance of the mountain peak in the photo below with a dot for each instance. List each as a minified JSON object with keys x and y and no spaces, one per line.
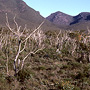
{"x":58,"y":12}
{"x":60,"y":18}
{"x":83,"y":13}
{"x":81,"y":17}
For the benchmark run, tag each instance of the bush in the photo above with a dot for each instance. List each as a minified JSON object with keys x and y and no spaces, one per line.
{"x":23,"y":74}
{"x":76,"y":88}
{"x":65,"y":85}
{"x":10,"y":79}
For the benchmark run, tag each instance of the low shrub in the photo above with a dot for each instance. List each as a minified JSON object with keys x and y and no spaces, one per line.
{"x":24,"y":74}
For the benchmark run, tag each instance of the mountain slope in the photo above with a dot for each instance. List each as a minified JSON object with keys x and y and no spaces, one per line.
{"x":24,"y":14}
{"x":60,"y":18}
{"x":80,"y":21}
{"x":82,"y":17}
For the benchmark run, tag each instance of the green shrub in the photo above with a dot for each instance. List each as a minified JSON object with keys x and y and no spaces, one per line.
{"x":75,"y":64}
{"x":24,"y":74}
{"x":66,"y":67}
{"x":65,"y":85}
{"x":10,"y":79}
{"x":76,"y":88}
{"x":80,"y":75}
{"x":49,"y":53}
{"x":42,"y":68}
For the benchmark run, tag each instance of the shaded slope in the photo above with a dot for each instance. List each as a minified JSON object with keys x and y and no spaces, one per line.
{"x":80,"y":21}
{"x":82,"y":17}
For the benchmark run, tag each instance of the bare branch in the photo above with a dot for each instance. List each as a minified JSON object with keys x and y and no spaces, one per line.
{"x":8,"y":25}
{"x":23,"y":47}
{"x":28,"y":55}
{"x":34,"y":31}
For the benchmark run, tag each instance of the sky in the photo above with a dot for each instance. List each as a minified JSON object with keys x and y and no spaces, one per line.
{"x":71,"y":7}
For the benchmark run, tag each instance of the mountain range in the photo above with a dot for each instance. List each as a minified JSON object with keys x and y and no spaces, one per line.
{"x":27,"y":15}
{"x":80,"y":21}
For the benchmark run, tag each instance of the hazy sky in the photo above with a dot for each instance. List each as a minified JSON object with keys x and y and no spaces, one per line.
{"x":71,"y":7}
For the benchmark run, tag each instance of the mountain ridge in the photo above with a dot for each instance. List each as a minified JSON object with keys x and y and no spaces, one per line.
{"x":27,"y":15}
{"x":70,"y":22}
{"x":60,"y":18}
{"x":24,"y":15}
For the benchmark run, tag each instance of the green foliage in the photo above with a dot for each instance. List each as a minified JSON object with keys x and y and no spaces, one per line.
{"x":24,"y":74}
{"x":2,"y":77}
{"x":41,"y":68}
{"x":75,"y":64}
{"x":83,"y":47}
{"x":76,"y":88}
{"x":50,"y":34}
{"x":49,"y":53}
{"x":10,"y":79}
{"x":66,"y":67}
{"x":65,"y":85}
{"x":72,"y":35}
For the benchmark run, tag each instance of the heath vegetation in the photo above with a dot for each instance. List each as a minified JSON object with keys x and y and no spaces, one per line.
{"x":44,"y":60}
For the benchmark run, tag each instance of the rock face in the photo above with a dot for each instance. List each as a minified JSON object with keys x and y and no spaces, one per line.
{"x":62,"y":19}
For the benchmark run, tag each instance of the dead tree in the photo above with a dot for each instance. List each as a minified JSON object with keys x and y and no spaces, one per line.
{"x":19,"y":34}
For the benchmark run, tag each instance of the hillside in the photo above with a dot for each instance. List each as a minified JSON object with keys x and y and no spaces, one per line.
{"x":24,"y":14}
{"x":43,"y":60}
{"x":46,"y":61}
{"x":82,"y":17}
{"x":60,"y":19}
{"x":27,"y":15}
